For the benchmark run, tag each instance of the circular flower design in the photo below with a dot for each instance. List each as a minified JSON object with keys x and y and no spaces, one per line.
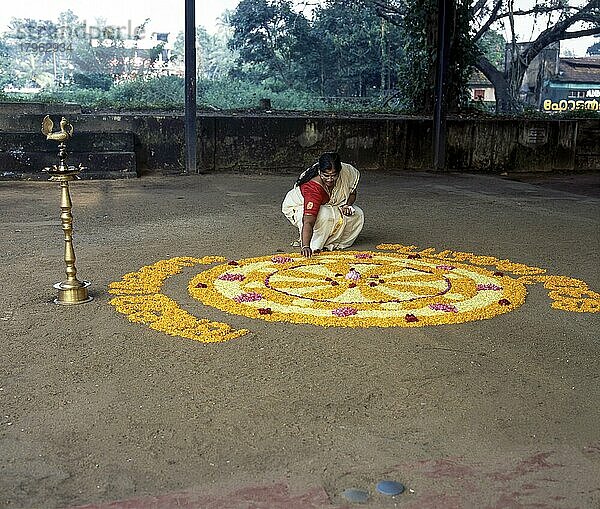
{"x":358,"y":290}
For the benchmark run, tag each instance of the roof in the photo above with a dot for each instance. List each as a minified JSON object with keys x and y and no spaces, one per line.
{"x":477,"y":78}
{"x":579,"y":70}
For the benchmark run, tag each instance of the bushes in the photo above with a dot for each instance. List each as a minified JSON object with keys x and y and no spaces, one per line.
{"x":238,"y":94}
{"x":92,"y":80}
{"x":162,"y":93}
{"x":167,"y":93}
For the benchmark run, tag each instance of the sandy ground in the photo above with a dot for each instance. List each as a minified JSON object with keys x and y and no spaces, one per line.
{"x":99,"y":412}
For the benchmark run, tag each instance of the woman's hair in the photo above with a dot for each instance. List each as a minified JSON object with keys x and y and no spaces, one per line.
{"x":326,"y":161}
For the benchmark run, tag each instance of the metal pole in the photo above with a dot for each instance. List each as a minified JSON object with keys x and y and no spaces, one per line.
{"x":190,"y":86}
{"x":439,"y":111}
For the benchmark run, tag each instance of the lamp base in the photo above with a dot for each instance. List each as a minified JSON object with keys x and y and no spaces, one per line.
{"x":68,"y":295}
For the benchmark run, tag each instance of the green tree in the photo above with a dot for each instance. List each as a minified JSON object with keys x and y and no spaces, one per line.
{"x":268,"y":33}
{"x":214,"y":59}
{"x":492,"y":45}
{"x":345,"y":50}
{"x":4,"y":65}
{"x":356,"y":51}
{"x":562,"y":19}
{"x":31,"y":59}
{"x":419,"y":20}
{"x":106,"y":51}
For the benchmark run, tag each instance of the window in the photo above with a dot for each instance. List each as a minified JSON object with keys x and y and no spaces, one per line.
{"x":479,"y":94}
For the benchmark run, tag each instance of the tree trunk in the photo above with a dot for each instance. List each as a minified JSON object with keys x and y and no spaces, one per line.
{"x":506,"y":102}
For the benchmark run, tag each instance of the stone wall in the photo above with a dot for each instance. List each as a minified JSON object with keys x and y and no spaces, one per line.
{"x":123,"y":145}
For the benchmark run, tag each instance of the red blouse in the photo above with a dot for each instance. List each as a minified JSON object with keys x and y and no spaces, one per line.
{"x":314,"y":196}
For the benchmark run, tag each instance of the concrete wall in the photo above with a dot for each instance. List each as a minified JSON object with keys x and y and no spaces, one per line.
{"x":278,"y":142}
{"x":281,"y":143}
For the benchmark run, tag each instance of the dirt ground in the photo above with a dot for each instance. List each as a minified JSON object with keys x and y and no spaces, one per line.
{"x":99,"y":412}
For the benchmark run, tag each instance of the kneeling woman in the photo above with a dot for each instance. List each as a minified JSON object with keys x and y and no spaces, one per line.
{"x":321,"y":205}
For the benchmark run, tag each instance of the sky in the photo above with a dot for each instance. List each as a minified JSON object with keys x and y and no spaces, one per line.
{"x":164,"y":16}
{"x":169,"y":16}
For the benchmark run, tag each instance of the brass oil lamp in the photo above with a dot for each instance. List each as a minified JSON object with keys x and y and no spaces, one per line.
{"x":71,"y":290}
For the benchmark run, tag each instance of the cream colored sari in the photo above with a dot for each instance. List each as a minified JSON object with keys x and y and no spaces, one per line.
{"x":332,"y":229}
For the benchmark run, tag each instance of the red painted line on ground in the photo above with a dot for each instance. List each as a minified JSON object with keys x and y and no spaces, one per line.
{"x":276,"y":496}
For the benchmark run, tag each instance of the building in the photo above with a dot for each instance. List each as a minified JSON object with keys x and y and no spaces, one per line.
{"x":576,"y":85}
{"x":481,"y":89}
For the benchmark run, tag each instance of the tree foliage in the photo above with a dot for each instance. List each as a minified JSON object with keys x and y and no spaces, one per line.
{"x":345,"y":49}
{"x":268,"y":33}
{"x":419,"y":20}
{"x":67,"y":51}
{"x":563,"y":20}
{"x":358,"y":52}
{"x":214,"y":59}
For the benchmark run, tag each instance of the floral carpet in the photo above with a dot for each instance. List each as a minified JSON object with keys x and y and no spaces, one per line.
{"x":397,"y":286}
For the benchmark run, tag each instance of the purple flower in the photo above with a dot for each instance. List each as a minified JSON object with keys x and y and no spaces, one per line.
{"x":411,"y":318}
{"x":231,"y":277}
{"x":363,"y":256}
{"x":265,"y":311}
{"x":353,"y":274}
{"x":344,"y":311}
{"x":448,"y":308}
{"x":282,"y":259}
{"x":504,"y":302}
{"x":445,"y":267}
{"x":248,"y":297}
{"x":488,"y":286}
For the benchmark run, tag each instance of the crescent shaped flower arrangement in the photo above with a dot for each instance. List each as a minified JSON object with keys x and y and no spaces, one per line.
{"x":139,"y":297}
{"x":398,"y":286}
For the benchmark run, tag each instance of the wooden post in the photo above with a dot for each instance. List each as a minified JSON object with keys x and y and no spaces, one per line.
{"x":439,"y":112}
{"x":190,"y":87}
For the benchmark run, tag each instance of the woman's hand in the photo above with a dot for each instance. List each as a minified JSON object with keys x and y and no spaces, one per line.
{"x":308,"y":223}
{"x":306,"y":251}
{"x":347,"y":210}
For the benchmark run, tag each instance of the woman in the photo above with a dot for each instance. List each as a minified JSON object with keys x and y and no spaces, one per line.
{"x":321,"y":205}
